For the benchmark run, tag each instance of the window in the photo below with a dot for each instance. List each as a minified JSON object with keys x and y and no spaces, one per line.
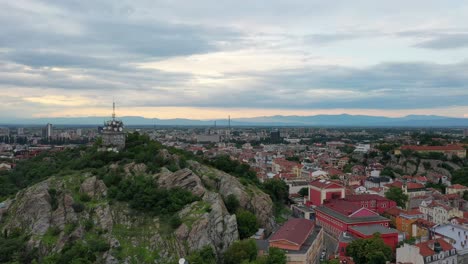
{"x":428,"y":259}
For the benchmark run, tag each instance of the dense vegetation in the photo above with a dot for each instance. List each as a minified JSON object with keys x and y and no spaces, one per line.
{"x":245,"y":252}
{"x":13,"y":248}
{"x":397,"y":195}
{"x":369,"y":251}
{"x":460,"y":176}
{"x":139,"y":190}
{"x":235,"y":168}
{"x":142,"y":193}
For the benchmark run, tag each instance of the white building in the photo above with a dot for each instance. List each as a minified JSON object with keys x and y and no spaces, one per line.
{"x":431,"y":252}
{"x":362,"y":148}
{"x":438,"y":213}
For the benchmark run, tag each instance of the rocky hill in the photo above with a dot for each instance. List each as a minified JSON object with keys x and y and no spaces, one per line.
{"x":77,"y":213}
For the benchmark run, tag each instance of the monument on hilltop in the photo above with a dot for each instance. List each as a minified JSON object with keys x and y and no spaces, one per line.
{"x":113,"y":136}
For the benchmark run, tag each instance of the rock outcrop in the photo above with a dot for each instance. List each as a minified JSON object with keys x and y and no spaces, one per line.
{"x":184,"y":178}
{"x":250,"y":197}
{"x":52,"y":217}
{"x":93,"y":187}
{"x":213,"y":226}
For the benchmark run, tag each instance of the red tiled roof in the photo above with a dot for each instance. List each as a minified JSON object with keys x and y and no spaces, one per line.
{"x":425,"y":223}
{"x":365,"y":197}
{"x":433,"y":148}
{"x":322,"y":184}
{"x":295,"y":231}
{"x":412,"y":212}
{"x":342,"y":206}
{"x":333,"y":171}
{"x":458,"y":187}
{"x":394,"y":211}
{"x":425,"y":247}
{"x":415,"y":185}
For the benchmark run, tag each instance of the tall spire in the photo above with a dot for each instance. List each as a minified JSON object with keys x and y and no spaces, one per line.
{"x":113,"y":109}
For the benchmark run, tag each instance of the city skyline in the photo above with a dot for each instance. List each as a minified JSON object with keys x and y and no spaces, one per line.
{"x":211,"y":59}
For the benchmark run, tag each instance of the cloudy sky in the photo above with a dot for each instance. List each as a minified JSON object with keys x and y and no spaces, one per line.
{"x":207,"y":59}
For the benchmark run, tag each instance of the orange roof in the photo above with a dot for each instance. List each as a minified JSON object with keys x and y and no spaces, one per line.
{"x":394,"y":211}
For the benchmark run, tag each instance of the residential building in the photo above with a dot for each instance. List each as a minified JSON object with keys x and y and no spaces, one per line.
{"x":447,"y":150}
{"x":208,"y":138}
{"x":434,"y":251}
{"x":404,"y":221}
{"x":457,"y":236}
{"x":320,"y":190}
{"x":422,"y":229}
{"x":439,"y":213}
{"x":280,"y":165}
{"x":456,"y":188}
{"x":301,"y":239}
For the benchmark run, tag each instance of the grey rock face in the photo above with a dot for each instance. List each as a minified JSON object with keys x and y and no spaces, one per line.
{"x":216,"y":228}
{"x":32,"y":209}
{"x":250,"y":197}
{"x":94,"y":188}
{"x":185,"y":179}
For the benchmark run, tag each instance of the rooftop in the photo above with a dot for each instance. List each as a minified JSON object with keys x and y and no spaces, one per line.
{"x":455,"y":232}
{"x":364,"y":197}
{"x":457,"y":186}
{"x":432,"y":148}
{"x":372,"y":229}
{"x":323,"y":184}
{"x":295,"y":230}
{"x":347,"y":219}
{"x":425,"y":247}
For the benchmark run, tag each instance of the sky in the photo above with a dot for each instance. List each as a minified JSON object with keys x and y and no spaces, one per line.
{"x":209,"y":59}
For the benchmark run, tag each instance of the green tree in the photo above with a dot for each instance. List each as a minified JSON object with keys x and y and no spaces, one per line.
{"x":202,"y":256}
{"x":232,"y":203}
{"x":247,"y":223}
{"x":465,"y":195}
{"x":240,"y":251}
{"x":276,"y":256}
{"x":460,"y":176}
{"x":372,"y":250}
{"x":277,"y":189}
{"x":304,"y":191}
{"x":397,"y":195}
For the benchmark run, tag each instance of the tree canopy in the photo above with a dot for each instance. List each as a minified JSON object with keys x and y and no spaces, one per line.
{"x":369,"y":251}
{"x":397,"y":195}
{"x":460,"y":176}
{"x":304,"y":191}
{"x":247,"y":223}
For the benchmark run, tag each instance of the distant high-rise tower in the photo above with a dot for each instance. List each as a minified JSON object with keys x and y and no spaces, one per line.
{"x":465,"y":133}
{"x":113,"y":135}
{"x":47,"y":131}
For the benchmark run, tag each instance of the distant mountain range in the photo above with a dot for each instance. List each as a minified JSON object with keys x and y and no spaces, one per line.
{"x":343,"y":120}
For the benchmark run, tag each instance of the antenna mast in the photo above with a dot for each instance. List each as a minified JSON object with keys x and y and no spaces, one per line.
{"x":113,"y":109}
